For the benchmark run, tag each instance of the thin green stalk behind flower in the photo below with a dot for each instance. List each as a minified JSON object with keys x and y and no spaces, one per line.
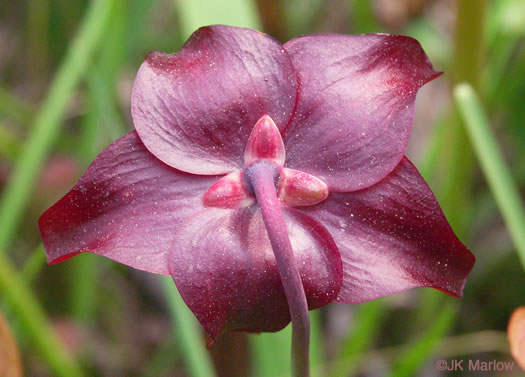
{"x":467,"y":64}
{"x":197,"y":13}
{"x":496,"y":172}
{"x":33,"y":264}
{"x":189,"y":336}
{"x":48,"y":120}
{"x":369,"y":318}
{"x":16,"y":194}
{"x":425,"y":345}
{"x":272,"y":350}
{"x":103,"y":116}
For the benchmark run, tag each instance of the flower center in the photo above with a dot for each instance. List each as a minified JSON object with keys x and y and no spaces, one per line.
{"x":265,"y":146}
{"x":248,"y":172}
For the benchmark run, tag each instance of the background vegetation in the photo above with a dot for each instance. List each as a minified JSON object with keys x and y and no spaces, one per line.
{"x":66,"y":70}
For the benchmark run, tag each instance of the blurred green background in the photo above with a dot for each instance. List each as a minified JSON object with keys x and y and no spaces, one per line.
{"x":66,"y":71}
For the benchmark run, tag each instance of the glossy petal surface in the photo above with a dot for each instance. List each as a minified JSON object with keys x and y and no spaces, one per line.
{"x":195,"y":109}
{"x":127,"y":206}
{"x":225,"y":269}
{"x":393,"y":236}
{"x":355,"y":106}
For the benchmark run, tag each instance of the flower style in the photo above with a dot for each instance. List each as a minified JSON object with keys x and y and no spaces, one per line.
{"x":254,"y":164}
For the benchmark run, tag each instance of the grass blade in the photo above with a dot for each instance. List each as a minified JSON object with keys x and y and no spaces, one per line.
{"x":48,"y":120}
{"x":420,"y":350}
{"x":188,"y":333}
{"x":196,"y":13}
{"x":32,"y":317}
{"x":368,"y":323}
{"x":496,"y":172}
{"x":33,"y":264}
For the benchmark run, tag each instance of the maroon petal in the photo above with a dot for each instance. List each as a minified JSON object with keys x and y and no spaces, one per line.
{"x":195,"y":109}
{"x":225,"y":269}
{"x":127,"y":207}
{"x":393,"y":236}
{"x":355,"y":106}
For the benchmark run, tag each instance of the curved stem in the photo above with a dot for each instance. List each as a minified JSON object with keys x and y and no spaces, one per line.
{"x":261,"y":177}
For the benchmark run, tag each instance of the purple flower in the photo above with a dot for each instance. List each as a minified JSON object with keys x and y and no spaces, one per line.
{"x":244,"y":148}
